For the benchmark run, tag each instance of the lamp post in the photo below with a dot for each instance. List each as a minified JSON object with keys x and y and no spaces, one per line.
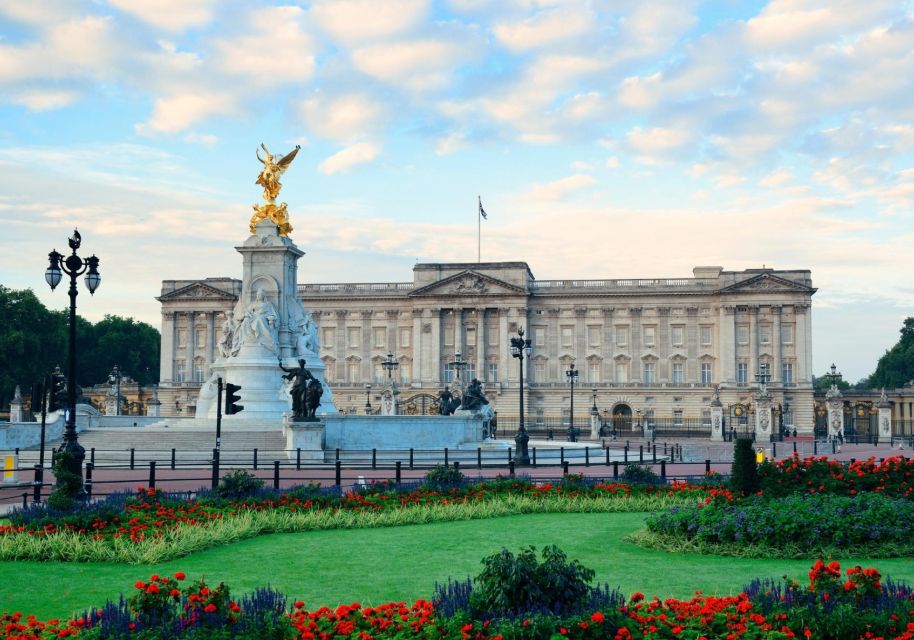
{"x":572,"y":375}
{"x":640,"y":424}
{"x":367,"y":399}
{"x":390,"y":365}
{"x":520,"y":347}
{"x":459,"y":364}
{"x":115,"y":378}
{"x":834,"y":376}
{"x":73,"y":266}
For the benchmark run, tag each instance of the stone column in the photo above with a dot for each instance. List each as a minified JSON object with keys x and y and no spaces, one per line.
{"x":884,"y":418}
{"x":580,"y":333}
{"x":717,"y":417}
{"x":167,"y":348}
{"x":834,"y":402}
{"x":553,"y":346}
{"x":210,"y":340}
{"x":753,"y":342}
{"x":365,"y":351}
{"x":189,"y":357}
{"x":636,"y":367}
{"x":458,"y":333}
{"x":608,"y":374}
{"x":504,"y":340}
{"x":481,"y":344}
{"x":776,"y":339}
{"x":802,"y":344}
{"x":435,"y":350}
{"x":16,"y":406}
{"x":728,"y":344}
{"x":416,"y":347}
{"x":763,"y":417}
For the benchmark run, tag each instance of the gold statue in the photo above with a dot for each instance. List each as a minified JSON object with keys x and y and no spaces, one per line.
{"x":273,"y":168}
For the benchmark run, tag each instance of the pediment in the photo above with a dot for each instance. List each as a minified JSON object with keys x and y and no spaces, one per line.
{"x":468,"y":283}
{"x":767,"y":282}
{"x":196,"y":291}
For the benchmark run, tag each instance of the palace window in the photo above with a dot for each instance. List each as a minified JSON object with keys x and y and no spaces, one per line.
{"x":182,"y":338}
{"x":742,"y":334}
{"x":593,"y":336}
{"x":786,"y":334}
{"x":380,"y":336}
{"x":198,"y":369}
{"x":179,"y":370}
{"x":649,"y":370}
{"x":706,"y":373}
{"x":595,"y":371}
{"x":677,"y":373}
{"x":649,"y":334}
{"x":352,"y":372}
{"x":328,"y":337}
{"x":764,"y":334}
{"x":705,"y":335}
{"x":329,"y":370}
{"x":448,"y":331}
{"x":352,"y":336}
{"x":676,"y":336}
{"x":406,"y":372}
{"x":200,"y":338}
{"x":493,"y":372}
{"x":742,"y":373}
{"x":621,"y":372}
{"x":621,"y":336}
{"x":539,"y":371}
{"x":677,"y":417}
{"x":471,"y":337}
{"x":405,"y":336}
{"x":539,"y":336}
{"x":787,"y":372}
{"x":567,"y":336}
{"x":377,"y":372}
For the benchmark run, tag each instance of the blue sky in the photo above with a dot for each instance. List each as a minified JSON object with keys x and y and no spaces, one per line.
{"x":607,"y":139}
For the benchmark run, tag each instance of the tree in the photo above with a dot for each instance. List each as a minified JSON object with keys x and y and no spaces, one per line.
{"x":896,"y":367}
{"x":823,"y":383}
{"x":33,"y":340}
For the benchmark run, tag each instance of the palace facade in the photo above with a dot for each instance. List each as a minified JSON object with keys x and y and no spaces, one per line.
{"x":651,"y":347}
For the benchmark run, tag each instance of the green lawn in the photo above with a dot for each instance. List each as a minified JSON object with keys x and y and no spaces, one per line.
{"x":403,"y":563}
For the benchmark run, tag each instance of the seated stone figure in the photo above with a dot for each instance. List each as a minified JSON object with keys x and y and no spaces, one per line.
{"x":474,"y":399}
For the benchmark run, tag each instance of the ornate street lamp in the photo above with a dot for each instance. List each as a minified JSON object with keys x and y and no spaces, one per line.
{"x":458,"y":364}
{"x":763,"y":377}
{"x":572,"y":375}
{"x":520,"y":348}
{"x":390,"y":365}
{"x":115,"y":378}
{"x":73,"y":266}
{"x":367,"y":399}
{"x":640,"y":424}
{"x":834,"y":376}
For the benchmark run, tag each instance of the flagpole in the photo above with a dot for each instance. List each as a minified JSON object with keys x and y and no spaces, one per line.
{"x":479,"y":231}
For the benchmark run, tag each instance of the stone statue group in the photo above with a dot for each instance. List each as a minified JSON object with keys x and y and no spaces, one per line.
{"x":260,"y":326}
{"x":306,"y":391}
{"x":473,"y":399}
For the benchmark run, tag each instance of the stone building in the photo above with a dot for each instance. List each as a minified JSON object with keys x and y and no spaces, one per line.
{"x":651,"y":347}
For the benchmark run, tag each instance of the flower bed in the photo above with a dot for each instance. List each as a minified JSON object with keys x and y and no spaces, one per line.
{"x":833,"y":605}
{"x":893,"y":477}
{"x":150,"y":526}
{"x":794,"y":526}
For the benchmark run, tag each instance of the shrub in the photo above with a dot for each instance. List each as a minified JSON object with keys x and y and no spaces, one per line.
{"x":510,"y":586}
{"x":68,"y":487}
{"x":636,"y":474}
{"x":744,"y":477}
{"x":238,"y":484}
{"x":443,"y":478}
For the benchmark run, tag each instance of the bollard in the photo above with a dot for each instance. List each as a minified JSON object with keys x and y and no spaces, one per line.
{"x":39,"y":480}
{"x":663,"y":469}
{"x":276,"y":474}
{"x":533,"y":460}
{"x":834,"y":446}
{"x":707,"y":466}
{"x":445,"y":457}
{"x":664,"y":448}
{"x":562,"y":455}
{"x":794,"y":447}
{"x":298,"y":459}
{"x":565,"y":468}
{"x":88,"y":482}
{"x":510,"y":455}
{"x":641,"y":453}
{"x":774,"y":449}
{"x":456,"y":465}
{"x":374,"y":458}
{"x":479,"y":457}
{"x":626,"y":454}
{"x":815,"y":447}
{"x":92,"y":455}
{"x":511,"y":468}
{"x":132,"y":451}
{"x":607,"y":457}
{"x":337,"y":458}
{"x":215,"y":478}
{"x":152,"y":474}
{"x":654,"y":454}
{"x":339,"y":473}
{"x":410,"y":457}
{"x":255,"y":458}
{"x":615,"y":469}
{"x":25,"y":500}
{"x":586,"y":456}
{"x":399,"y":476}
{"x":173,"y":452}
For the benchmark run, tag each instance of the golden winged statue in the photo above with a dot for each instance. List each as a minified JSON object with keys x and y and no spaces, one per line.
{"x":273,"y":168}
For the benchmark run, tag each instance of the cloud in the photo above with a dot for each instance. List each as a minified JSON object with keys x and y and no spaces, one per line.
{"x":545,"y":29}
{"x":171,"y":15}
{"x":343,"y":118}
{"x":451,"y":143}
{"x":658,"y":144}
{"x":349,"y":157}
{"x":356,"y":21}
{"x":416,"y":65}
{"x":558,"y":189}
{"x":176,"y":113}
{"x":43,"y":99}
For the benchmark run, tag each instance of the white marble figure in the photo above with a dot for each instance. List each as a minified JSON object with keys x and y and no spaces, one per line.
{"x":307,"y":336}
{"x":230,"y":342}
{"x":259,"y":324}
{"x":207,"y":397}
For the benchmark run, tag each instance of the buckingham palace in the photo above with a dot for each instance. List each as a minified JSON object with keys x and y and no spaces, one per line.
{"x":654,"y":347}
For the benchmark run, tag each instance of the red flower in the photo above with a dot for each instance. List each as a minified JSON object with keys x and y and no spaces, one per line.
{"x":139,"y":584}
{"x":180,"y":575}
{"x":210,"y":608}
{"x":598,"y":617}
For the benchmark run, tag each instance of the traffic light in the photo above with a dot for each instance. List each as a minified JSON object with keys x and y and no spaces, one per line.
{"x":231,"y":398}
{"x":58,"y":396}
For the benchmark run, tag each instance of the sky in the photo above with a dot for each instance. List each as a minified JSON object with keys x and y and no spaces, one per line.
{"x":607,"y":139}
